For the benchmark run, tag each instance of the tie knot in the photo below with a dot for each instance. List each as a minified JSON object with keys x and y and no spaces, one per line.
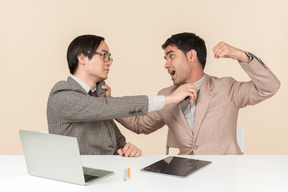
{"x":92,"y":93}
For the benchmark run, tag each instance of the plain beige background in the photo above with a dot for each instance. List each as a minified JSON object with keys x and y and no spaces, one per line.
{"x":34,"y":37}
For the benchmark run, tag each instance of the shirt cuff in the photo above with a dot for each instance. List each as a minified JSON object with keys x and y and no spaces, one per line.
{"x":156,"y":103}
{"x":250,"y":57}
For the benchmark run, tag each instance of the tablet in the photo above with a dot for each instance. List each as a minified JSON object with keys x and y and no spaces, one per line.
{"x":176,"y":166}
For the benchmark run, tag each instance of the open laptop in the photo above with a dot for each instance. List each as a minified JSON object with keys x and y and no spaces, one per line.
{"x":57,"y":157}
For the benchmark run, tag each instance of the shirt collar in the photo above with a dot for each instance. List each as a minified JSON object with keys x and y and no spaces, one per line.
{"x":199,"y":83}
{"x":83,"y":85}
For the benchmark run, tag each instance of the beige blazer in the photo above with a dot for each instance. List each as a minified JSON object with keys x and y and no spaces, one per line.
{"x":217,"y":107}
{"x":72,"y":112}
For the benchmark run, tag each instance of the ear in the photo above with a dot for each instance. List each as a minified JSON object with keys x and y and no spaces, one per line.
{"x":192,"y":56}
{"x":81,"y":59}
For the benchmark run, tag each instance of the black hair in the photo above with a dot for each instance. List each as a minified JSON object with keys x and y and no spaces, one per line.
{"x":186,"y":42}
{"x":85,"y":44}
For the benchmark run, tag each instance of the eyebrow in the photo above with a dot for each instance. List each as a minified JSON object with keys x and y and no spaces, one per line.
{"x":168,"y":53}
{"x":106,"y":52}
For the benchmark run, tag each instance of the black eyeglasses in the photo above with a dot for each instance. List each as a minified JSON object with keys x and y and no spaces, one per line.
{"x":106,"y":57}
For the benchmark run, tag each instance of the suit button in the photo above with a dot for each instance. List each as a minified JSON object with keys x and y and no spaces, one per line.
{"x":195,"y":147}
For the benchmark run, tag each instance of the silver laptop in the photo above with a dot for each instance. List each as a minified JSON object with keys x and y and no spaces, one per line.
{"x":57,"y":157}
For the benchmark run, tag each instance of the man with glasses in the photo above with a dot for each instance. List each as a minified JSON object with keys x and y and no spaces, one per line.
{"x":208,"y":125}
{"x":80,"y":107}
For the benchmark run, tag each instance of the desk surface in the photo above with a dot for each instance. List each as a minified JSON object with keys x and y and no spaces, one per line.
{"x":225,"y":173}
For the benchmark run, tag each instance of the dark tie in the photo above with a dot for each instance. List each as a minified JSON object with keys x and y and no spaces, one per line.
{"x":184,"y":104}
{"x":92,"y":93}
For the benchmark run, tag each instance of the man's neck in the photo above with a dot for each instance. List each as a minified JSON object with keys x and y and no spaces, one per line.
{"x":88,"y":80}
{"x":195,"y":77}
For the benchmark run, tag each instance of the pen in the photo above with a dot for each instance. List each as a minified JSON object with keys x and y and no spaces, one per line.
{"x":125,"y":175}
{"x":128,"y":170}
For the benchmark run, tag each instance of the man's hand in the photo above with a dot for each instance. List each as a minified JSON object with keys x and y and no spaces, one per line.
{"x":223,"y":50}
{"x":107,"y":89}
{"x":181,"y":93}
{"x":130,"y":150}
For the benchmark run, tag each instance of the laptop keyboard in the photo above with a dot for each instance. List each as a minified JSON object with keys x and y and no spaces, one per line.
{"x":89,"y":178}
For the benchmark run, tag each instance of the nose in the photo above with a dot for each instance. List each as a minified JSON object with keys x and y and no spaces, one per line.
{"x":167,"y":65}
{"x":108,"y":63}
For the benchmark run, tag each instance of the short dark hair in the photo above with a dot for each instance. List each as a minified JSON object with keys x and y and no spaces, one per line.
{"x":186,"y":42}
{"x":85,"y":44}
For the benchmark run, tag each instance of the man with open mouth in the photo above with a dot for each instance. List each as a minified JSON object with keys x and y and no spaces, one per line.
{"x":207,"y":125}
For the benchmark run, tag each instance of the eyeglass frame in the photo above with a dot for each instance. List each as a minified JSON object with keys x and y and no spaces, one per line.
{"x":106,"y":57}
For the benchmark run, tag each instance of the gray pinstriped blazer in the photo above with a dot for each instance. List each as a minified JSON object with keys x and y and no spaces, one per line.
{"x":72,"y":112}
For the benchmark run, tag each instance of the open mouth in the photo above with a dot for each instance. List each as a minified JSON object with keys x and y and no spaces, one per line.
{"x":172,"y":73}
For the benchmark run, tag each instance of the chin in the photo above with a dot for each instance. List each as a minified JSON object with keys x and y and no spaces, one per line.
{"x":176,"y":84}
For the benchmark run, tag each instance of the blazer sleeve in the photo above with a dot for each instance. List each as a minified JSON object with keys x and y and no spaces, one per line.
{"x":72,"y":105}
{"x":147,"y":123}
{"x":263,"y":84}
{"x":143,"y":124}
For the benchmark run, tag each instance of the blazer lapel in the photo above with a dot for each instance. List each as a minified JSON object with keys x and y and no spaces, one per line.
{"x":177,"y":114}
{"x":179,"y":117}
{"x":204,"y":99}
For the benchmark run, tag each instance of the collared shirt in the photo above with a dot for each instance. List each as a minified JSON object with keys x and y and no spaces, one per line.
{"x":189,"y":112}
{"x":86,"y":87}
{"x":154,"y":102}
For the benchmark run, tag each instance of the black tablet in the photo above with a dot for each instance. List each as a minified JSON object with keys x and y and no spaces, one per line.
{"x":176,"y":166}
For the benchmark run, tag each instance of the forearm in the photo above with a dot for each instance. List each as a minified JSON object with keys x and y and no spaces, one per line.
{"x":265,"y":81}
{"x":82,"y":108}
{"x":143,"y":124}
{"x":263,"y":84}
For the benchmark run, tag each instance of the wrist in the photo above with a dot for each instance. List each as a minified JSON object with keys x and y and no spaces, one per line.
{"x":244,"y":57}
{"x":251,"y":57}
{"x":168,"y":100}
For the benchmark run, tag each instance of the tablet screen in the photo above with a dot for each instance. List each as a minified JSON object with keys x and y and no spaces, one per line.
{"x":177,"y":166}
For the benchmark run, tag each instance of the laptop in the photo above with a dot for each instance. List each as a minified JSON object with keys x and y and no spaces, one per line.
{"x":57,"y":157}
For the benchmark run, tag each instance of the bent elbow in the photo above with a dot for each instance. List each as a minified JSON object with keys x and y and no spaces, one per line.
{"x":275,"y":87}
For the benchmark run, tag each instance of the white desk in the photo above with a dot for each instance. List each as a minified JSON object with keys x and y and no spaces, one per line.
{"x":225,"y":173}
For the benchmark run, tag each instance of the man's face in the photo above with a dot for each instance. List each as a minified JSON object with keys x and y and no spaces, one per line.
{"x":177,"y":65}
{"x":96,"y":66}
